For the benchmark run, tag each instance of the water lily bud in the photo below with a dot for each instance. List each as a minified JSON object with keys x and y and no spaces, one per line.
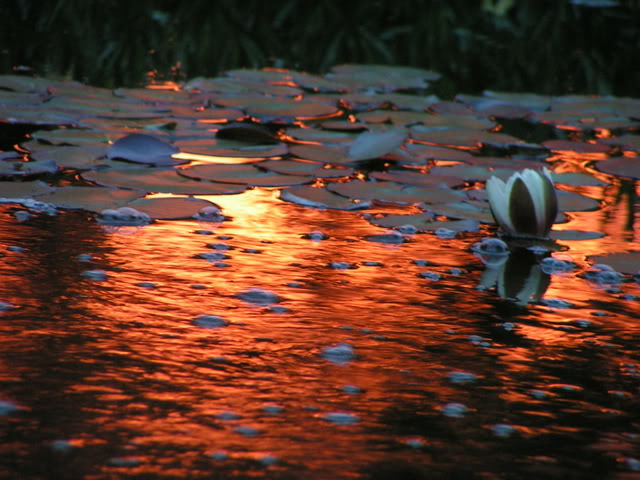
{"x":525,"y":205}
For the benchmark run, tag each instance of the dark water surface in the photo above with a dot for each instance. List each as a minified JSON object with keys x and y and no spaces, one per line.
{"x":109,"y":379}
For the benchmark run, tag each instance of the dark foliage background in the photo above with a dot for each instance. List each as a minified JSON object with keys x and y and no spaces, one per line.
{"x":545,"y":46}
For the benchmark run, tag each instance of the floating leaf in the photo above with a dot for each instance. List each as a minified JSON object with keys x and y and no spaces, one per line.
{"x":231,"y":148}
{"x":36,"y":116}
{"x":320,"y":198}
{"x":293,"y":167}
{"x":164,"y":180}
{"x":72,"y":157}
{"x":572,"y":202}
{"x":621,"y":166}
{"x":574,"y":235}
{"x":170,"y":208}
{"x":576,"y":179}
{"x":395,"y":117}
{"x":143,"y":148}
{"x":578,"y":147}
{"x":423,"y":223}
{"x":628,"y":262}
{"x":466,"y":210}
{"x":243,"y":174}
{"x":247,"y":132}
{"x":465,"y":138}
{"x":417,"y":178}
{"x":319,"y":135}
{"x":321,"y":153}
{"x":72,"y":136}
{"x":20,"y":168}
{"x":422,"y":153}
{"x":627,"y":142}
{"x":394,"y":193}
{"x":24,"y":189}
{"x":94,"y":199}
{"x":370,"y":145}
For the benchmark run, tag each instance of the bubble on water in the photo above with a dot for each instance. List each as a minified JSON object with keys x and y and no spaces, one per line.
{"x":630,"y":297}
{"x":219,"y":455}
{"x":456,"y":271}
{"x":454,"y":410}
{"x":84,"y":257}
{"x":445,"y":233}
{"x":5,"y":306}
{"x":22,"y":215}
{"x":273,"y":409}
{"x":460,"y":377}
{"x":278,"y":309}
{"x":219,"y":246}
{"x":503,"y":430}
{"x":228,"y":415}
{"x":210,"y":321}
{"x":391,"y":237}
{"x":246,"y":430}
{"x":492,"y":246}
{"x":295,"y":284}
{"x":415,"y":442}
{"x":583,"y":323}
{"x":198,"y":286}
{"x":341,"y":266}
{"x":556,"y":303}
{"x":433,"y":276}
{"x":221,"y":265}
{"x":211,"y":216}
{"x":97,"y":275}
{"x":539,"y":394}
{"x":509,"y":326}
{"x":16,"y":249}
{"x":125,"y":461}
{"x":341,"y":418}
{"x":632,"y":464}
{"x":213,"y":256}
{"x":316,"y":236}
{"x":557,"y":265}
{"x":602,"y":275}
{"x":420,"y":262}
{"x":149,"y":285}
{"x":372,"y":264}
{"x":407,"y":229}
{"x":40,"y":207}
{"x":203,"y":232}
{"x":7,"y":407}
{"x":258,"y":296}
{"x":351,"y":389}
{"x":251,"y":250}
{"x":62,"y":446}
{"x":538,"y":250}
{"x":268,"y":459}
{"x":123,"y":216}
{"x":340,"y":353}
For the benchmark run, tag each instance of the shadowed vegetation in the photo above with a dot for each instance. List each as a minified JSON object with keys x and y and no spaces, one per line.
{"x":542,"y":46}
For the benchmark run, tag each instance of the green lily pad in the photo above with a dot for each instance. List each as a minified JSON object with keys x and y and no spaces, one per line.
{"x":465,"y":138}
{"x":320,"y":198}
{"x":36,"y":116}
{"x":72,"y":136}
{"x":231,"y":148}
{"x":572,"y":202}
{"x":271,"y":109}
{"x":627,"y":262}
{"x":465,"y":210}
{"x":422,"y":153}
{"x":394,"y":193}
{"x":247,"y":132}
{"x":576,"y":179}
{"x":163,"y":180}
{"x":621,"y":166}
{"x":20,"y":168}
{"x":293,"y":167}
{"x":320,"y":153}
{"x":472,"y":173}
{"x":94,"y":199}
{"x":170,"y":208}
{"x":319,"y":135}
{"x":396,"y":117}
{"x":244,"y":174}
{"x":626,"y":142}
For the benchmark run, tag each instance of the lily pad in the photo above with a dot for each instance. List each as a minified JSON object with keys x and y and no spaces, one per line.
{"x":320,"y":198}
{"x":293,"y":167}
{"x":572,"y":202}
{"x":164,"y":180}
{"x":465,"y":138}
{"x":627,"y":262}
{"x":20,"y":168}
{"x":577,"y":147}
{"x":72,"y":156}
{"x":170,"y":208}
{"x":244,"y":174}
{"x":627,"y":142}
{"x":574,"y":235}
{"x":465,"y":210}
{"x":319,"y":135}
{"x":417,"y":178}
{"x":72,"y":136}
{"x":24,"y":189}
{"x":621,"y":166}
{"x":421,"y":153}
{"x":370,"y":145}
{"x":394,"y":193}
{"x":320,"y":153}
{"x":231,"y":148}
{"x":143,"y":148}
{"x":94,"y":199}
{"x":576,"y":179}
{"x":423,"y":223}
{"x":247,"y":132}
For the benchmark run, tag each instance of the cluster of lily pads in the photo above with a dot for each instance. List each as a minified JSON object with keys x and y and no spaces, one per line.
{"x":359,"y":137}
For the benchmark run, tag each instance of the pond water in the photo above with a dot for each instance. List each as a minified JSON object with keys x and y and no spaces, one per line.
{"x":293,"y":342}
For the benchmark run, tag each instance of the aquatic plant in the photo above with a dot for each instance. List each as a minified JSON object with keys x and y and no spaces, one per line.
{"x":525,"y":205}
